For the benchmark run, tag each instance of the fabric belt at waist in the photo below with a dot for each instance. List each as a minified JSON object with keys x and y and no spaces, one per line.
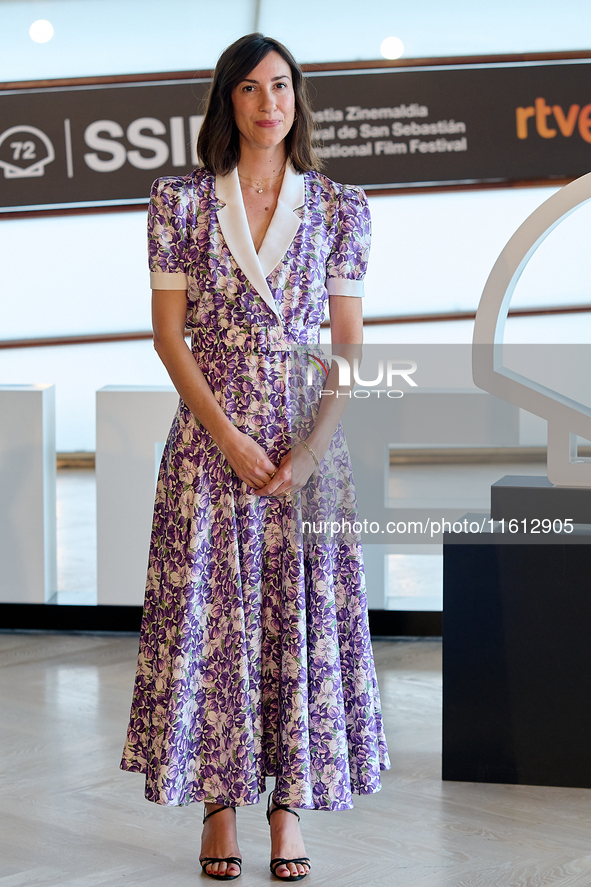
{"x":255,"y":338}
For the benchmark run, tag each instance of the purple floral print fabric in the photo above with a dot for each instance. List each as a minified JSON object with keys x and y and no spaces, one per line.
{"x":255,"y":657}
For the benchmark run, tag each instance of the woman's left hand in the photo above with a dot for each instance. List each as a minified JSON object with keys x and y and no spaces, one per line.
{"x":292,"y":474}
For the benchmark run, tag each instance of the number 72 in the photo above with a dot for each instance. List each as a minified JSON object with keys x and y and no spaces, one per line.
{"x":23,"y":150}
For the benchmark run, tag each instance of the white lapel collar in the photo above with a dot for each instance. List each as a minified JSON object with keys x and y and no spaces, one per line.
{"x":284,"y":224}
{"x":234,"y":225}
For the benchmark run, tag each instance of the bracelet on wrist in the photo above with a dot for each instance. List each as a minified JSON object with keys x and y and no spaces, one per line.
{"x":312,"y":453}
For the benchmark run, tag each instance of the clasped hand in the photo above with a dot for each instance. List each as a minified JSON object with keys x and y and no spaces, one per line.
{"x":253,"y":466}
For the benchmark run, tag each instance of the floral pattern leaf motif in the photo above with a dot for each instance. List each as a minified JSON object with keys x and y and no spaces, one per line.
{"x":255,"y":656}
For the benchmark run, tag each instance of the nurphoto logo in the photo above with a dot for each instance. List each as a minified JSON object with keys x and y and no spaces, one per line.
{"x":389,"y":373}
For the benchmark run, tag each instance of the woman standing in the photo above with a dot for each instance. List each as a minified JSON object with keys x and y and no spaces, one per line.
{"x":255,"y":658}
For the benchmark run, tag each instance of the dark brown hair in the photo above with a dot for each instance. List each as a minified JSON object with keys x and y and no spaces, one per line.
{"x":218,"y":145}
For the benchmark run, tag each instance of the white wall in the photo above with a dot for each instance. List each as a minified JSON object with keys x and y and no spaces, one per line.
{"x":73,"y":274}
{"x":94,"y":37}
{"x":431,"y":252}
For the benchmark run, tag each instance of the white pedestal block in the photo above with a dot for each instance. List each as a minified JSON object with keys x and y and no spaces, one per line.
{"x":28,"y":543}
{"x":132,"y":424}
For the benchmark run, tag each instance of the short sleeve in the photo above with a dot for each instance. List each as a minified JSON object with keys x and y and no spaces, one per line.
{"x":347,"y":262}
{"x":167,"y":236}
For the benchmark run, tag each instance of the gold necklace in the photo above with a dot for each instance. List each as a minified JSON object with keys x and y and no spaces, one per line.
{"x":258,"y":185}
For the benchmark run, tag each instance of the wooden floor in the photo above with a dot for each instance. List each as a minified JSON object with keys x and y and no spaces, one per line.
{"x":69,"y":817}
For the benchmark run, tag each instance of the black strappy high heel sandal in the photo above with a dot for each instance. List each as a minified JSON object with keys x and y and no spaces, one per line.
{"x":275,"y":863}
{"x":208,"y":860}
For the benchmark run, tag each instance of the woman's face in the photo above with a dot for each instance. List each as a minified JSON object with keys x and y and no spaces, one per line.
{"x":264,"y":103}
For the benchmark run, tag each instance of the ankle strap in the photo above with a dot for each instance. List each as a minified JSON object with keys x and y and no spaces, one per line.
{"x":271,"y":811}
{"x":207,"y":816}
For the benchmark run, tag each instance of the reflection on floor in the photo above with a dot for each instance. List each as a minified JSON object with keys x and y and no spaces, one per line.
{"x":414,"y":572}
{"x":71,"y":818}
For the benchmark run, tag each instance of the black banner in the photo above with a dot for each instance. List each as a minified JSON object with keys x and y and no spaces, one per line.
{"x":380,"y":128}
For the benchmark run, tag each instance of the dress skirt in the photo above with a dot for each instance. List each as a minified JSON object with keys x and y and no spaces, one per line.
{"x":255,"y":657}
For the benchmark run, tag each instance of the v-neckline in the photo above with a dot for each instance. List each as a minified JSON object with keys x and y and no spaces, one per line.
{"x":257,"y":251}
{"x":282,"y":229}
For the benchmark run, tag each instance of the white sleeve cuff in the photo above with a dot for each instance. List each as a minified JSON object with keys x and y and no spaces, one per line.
{"x":344,"y":286}
{"x":163,"y":280}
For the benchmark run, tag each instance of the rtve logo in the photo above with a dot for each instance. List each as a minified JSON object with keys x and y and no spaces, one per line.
{"x":550,"y":119}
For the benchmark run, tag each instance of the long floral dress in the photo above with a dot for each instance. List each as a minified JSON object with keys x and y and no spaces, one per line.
{"x":255,"y":657}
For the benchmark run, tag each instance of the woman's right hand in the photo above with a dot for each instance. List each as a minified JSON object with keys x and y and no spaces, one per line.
{"x":248,"y":459}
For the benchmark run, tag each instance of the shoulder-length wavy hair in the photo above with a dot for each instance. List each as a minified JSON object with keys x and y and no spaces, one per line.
{"x":218,"y":145}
